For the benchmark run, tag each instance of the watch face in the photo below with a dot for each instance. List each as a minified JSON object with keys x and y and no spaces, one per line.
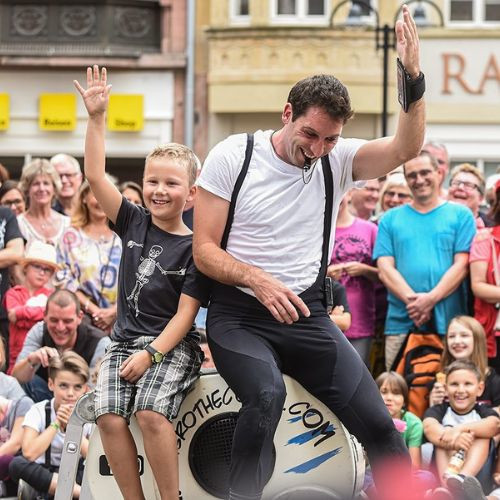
{"x":158,"y":357}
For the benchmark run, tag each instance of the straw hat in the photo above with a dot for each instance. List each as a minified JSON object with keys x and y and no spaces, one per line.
{"x":41,"y":253}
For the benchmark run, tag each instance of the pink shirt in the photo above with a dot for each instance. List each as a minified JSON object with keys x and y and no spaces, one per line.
{"x":355,"y":243}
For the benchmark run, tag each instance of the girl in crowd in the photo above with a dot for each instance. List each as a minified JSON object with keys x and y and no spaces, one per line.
{"x":89,"y":256}
{"x":40,"y":183}
{"x":25,"y":304}
{"x":466,"y":340}
{"x":394,"y":391}
{"x":12,"y":197}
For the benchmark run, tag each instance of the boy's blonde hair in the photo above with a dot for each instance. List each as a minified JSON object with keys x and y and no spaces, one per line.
{"x":69,"y":361}
{"x":179,"y":153}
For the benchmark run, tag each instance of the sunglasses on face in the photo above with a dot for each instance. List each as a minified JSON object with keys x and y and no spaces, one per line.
{"x":392,"y":194}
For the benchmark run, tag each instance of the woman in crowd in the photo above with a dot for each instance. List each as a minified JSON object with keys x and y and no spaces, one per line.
{"x":485,"y":280}
{"x":395,"y":192}
{"x":352,"y":265}
{"x":132,"y":192}
{"x":466,"y":340}
{"x":12,"y":197}
{"x":40,"y":183}
{"x":89,"y":256}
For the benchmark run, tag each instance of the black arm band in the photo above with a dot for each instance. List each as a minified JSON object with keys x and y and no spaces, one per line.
{"x":409,"y":90}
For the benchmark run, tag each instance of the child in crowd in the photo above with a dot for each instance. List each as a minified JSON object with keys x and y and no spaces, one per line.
{"x":341,"y":313}
{"x":394,"y":391}
{"x":45,"y":426}
{"x":461,"y":423}
{"x":9,"y":386}
{"x":465,"y":340}
{"x":25,"y":304}
{"x":154,"y":356}
{"x":12,"y":414}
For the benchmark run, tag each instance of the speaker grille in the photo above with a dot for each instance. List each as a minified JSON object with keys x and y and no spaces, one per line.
{"x":210,"y":453}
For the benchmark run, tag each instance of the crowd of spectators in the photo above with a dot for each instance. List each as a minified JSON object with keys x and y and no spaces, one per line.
{"x":412,"y":253}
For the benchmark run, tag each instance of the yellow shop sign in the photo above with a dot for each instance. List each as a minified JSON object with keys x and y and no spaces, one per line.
{"x":126,"y":112}
{"x":57,"y":112}
{"x":4,"y":111}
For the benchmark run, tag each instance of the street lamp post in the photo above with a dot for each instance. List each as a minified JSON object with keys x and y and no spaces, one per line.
{"x":385,"y":37}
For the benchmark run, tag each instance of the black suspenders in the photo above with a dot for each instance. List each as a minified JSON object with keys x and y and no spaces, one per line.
{"x":327,"y":228}
{"x":47,"y":424}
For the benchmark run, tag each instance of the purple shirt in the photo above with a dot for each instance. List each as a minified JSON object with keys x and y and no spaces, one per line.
{"x":355,"y":243}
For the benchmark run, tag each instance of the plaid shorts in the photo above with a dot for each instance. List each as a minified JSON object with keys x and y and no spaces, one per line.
{"x":161,"y":388}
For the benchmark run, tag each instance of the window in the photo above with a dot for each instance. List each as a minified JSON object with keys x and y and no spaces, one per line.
{"x":474,"y":12}
{"x":240,"y":11}
{"x":294,"y":11}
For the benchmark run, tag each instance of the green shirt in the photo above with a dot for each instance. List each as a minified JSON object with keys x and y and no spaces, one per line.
{"x":414,"y":432}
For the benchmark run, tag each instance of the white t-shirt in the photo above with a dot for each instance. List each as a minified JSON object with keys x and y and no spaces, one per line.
{"x":278,"y":220}
{"x":35,"y":419}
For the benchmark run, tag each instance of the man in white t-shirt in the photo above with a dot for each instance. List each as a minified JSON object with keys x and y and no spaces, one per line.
{"x":267,"y":314}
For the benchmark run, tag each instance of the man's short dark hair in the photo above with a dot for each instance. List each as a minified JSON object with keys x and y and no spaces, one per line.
{"x":424,"y":154}
{"x":322,"y":91}
{"x":463,"y":364}
{"x":63,"y":298}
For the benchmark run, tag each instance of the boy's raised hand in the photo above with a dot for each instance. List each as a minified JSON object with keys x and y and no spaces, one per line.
{"x":96,"y":96}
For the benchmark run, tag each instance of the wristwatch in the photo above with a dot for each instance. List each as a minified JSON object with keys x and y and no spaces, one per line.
{"x":409,"y":89}
{"x":156,"y":356}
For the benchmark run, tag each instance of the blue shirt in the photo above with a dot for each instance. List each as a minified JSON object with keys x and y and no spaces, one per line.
{"x":424,"y":246}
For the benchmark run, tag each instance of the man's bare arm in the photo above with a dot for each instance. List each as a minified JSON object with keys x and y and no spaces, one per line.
{"x":210,"y":217}
{"x":12,"y":253}
{"x":393,"y":279}
{"x":380,"y":156}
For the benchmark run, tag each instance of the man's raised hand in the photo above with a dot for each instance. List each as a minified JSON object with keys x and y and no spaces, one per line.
{"x":96,"y":96}
{"x":408,"y":44}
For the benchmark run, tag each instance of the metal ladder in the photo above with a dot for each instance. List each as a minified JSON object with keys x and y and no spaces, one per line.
{"x":82,"y":414}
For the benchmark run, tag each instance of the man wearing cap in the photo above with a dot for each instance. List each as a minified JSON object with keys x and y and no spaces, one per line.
{"x":61,"y":330}
{"x":70,"y":172}
{"x":25,"y":304}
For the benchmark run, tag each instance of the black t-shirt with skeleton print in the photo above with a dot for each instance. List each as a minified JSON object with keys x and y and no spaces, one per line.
{"x":155,"y":268}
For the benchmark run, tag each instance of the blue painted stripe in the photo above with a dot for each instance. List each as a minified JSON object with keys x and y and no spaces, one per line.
{"x":307,"y":436}
{"x":313,"y":463}
{"x":294,"y":419}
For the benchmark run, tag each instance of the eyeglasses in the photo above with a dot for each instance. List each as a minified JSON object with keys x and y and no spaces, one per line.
{"x":69,"y":175}
{"x":9,"y":203}
{"x":426,"y":172}
{"x":467,"y":186}
{"x":42,"y":269}
{"x":401,"y":196}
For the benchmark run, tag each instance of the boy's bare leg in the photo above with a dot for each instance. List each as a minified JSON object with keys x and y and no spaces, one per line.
{"x":442,"y":458}
{"x":121,"y":452}
{"x":476,"y":457}
{"x":160,"y":443}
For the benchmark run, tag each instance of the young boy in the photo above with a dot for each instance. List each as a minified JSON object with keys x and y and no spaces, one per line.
{"x":154,"y":356}
{"x":461,"y":424}
{"x":45,"y":423}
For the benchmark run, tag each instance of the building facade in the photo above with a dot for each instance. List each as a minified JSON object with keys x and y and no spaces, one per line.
{"x":257,"y":49}
{"x":45,"y":45}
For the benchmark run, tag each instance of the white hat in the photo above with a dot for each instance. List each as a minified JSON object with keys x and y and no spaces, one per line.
{"x":42,"y":253}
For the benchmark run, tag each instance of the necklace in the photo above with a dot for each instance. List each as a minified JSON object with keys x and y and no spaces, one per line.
{"x":307,"y":170}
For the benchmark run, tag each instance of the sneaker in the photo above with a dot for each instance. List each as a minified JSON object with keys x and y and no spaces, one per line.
{"x":455,"y":483}
{"x":473,"y":489}
{"x":26,"y":491}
